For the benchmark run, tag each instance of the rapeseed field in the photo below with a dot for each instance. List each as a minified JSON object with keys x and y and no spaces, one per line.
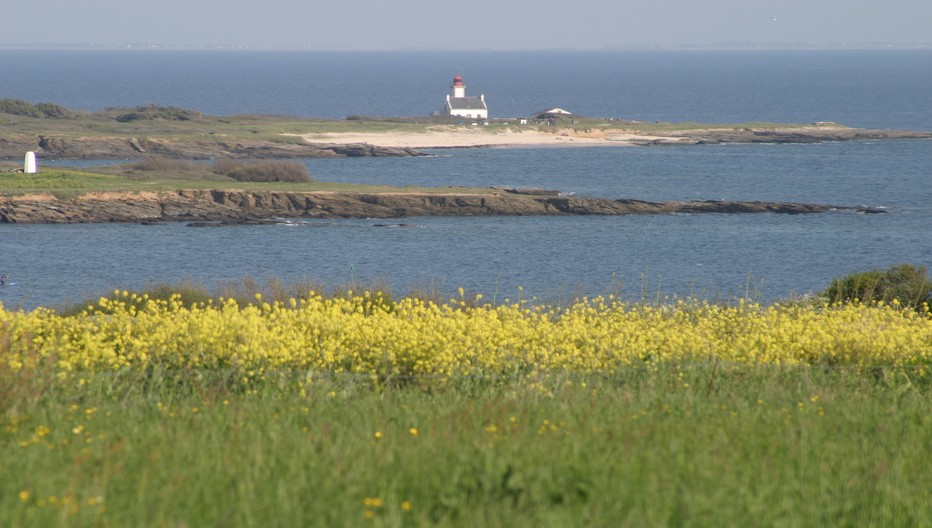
{"x":359,"y":410}
{"x":367,"y":334}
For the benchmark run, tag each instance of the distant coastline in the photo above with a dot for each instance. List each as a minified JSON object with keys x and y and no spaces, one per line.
{"x":56,"y":132}
{"x":715,"y":46}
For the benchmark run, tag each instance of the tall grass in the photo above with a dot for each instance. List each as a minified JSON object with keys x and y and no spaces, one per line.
{"x":690,"y":445}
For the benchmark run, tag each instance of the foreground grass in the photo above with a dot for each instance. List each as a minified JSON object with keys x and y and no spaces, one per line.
{"x":673,"y":444}
{"x":362,"y":410}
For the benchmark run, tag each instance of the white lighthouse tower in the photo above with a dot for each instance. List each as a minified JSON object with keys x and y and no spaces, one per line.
{"x":459,"y":89}
{"x":459,"y":105}
{"x":29,"y":163}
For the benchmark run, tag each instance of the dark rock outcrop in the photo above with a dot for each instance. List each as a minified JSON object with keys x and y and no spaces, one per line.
{"x":209,"y":207}
{"x":788,"y":135}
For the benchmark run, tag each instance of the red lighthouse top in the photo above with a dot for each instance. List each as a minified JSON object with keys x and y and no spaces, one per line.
{"x":458,"y":81}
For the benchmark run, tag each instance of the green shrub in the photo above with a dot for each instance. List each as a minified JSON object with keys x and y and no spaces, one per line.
{"x":907,"y":284}
{"x":151,"y":112}
{"x":54,"y":111}
{"x":190,"y":295}
{"x":263,"y":171}
{"x":41,"y":110}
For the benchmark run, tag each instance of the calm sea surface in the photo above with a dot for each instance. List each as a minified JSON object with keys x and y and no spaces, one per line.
{"x":712,"y":256}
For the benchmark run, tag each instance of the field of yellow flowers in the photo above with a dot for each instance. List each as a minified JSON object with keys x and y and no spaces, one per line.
{"x":359,"y":410}
{"x":366,"y":334}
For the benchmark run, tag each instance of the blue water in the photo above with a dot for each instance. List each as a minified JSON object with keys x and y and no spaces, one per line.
{"x":713,"y":256}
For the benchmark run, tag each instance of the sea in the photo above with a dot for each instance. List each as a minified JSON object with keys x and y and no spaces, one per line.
{"x":718,"y":257}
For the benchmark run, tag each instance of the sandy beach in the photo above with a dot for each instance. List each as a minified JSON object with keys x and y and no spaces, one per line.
{"x":448,"y":136}
{"x":451,"y":136}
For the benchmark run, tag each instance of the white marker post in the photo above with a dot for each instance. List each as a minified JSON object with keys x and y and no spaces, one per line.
{"x":29,"y":165}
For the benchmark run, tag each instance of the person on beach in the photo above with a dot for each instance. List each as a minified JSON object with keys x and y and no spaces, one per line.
{"x":2,"y":279}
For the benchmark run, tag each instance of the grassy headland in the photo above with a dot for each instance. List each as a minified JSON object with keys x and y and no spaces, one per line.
{"x":175,"y":122}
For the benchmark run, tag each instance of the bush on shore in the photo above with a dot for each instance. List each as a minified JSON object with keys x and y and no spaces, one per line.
{"x":41,"y":110}
{"x":152,"y":112}
{"x":908,"y":285}
{"x":263,"y":171}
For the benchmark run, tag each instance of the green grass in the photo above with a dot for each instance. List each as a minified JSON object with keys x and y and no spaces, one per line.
{"x":58,"y":179}
{"x":69,"y":182}
{"x":207,"y":128}
{"x":682,"y":445}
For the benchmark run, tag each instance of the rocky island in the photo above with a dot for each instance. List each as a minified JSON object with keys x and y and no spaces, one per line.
{"x":54,"y":132}
{"x":203,"y":207}
{"x":153,"y":132}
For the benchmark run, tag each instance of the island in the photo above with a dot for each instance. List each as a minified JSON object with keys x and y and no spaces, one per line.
{"x":54,"y":132}
{"x":187,"y":192}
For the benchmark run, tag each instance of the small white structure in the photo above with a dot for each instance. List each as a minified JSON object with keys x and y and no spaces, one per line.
{"x":459,"y":105}
{"x":29,"y":164}
{"x":552,"y":113}
{"x":559,"y":111}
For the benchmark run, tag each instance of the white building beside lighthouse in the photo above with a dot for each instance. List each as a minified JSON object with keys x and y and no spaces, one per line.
{"x":459,"y":105}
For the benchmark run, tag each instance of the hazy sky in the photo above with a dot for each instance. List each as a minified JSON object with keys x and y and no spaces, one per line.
{"x":469,"y":24}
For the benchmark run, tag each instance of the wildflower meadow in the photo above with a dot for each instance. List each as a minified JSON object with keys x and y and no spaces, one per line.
{"x":362,"y":410}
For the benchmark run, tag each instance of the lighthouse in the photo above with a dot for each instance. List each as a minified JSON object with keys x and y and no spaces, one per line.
{"x":459,"y":89}
{"x":459,"y":105}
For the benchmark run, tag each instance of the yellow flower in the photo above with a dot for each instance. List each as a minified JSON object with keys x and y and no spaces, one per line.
{"x":413,"y":431}
{"x":378,"y":435}
{"x":24,"y":495}
{"x":372,"y":335}
{"x":406,"y":506}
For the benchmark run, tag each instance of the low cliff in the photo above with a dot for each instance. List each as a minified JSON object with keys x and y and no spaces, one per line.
{"x":233,"y":206}
{"x":98,"y":148}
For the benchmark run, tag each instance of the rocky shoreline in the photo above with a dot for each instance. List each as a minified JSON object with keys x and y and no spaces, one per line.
{"x":814,"y":134}
{"x":115,"y":148}
{"x":220,"y":207}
